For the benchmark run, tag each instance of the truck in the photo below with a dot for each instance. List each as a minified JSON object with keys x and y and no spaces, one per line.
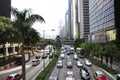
{"x":18,"y":58}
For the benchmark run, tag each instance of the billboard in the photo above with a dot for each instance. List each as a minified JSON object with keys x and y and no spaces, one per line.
{"x":111,"y":35}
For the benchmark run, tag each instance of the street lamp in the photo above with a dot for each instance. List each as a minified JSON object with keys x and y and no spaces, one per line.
{"x":44,"y":48}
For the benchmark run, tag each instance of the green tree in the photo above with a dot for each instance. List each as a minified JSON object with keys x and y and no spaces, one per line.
{"x":22,"y":23}
{"x":111,"y":51}
{"x":87,"y":47}
{"x":4,"y":22}
{"x":58,"y":41}
{"x":78,"y":42}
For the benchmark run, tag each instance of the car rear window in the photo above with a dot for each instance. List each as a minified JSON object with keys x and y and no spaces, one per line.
{"x":100,"y":75}
{"x":10,"y":77}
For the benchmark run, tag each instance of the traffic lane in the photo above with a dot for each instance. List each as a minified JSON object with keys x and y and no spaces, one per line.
{"x":55,"y":72}
{"x":35,"y":70}
{"x":29,"y":69}
{"x":61,"y":72}
{"x":75,"y":69}
{"x":94,"y":68}
{"x":6,"y":73}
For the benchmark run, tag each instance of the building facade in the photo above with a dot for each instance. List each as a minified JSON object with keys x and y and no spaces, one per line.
{"x":83,"y":18}
{"x":66,"y":24}
{"x":5,"y":8}
{"x":104,"y":22}
{"x":71,"y":19}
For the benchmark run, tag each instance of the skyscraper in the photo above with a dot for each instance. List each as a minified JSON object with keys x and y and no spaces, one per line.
{"x":104,"y":20}
{"x":5,"y":7}
{"x":83,"y":18}
{"x":71,"y":19}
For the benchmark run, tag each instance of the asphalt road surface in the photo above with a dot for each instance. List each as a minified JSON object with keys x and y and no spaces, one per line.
{"x":31,"y":71}
{"x":61,"y":72}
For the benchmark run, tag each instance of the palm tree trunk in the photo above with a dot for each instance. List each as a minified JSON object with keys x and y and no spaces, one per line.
{"x":101,"y":59}
{"x":111,"y":60}
{"x":23,"y":64}
{"x":107,"y":60}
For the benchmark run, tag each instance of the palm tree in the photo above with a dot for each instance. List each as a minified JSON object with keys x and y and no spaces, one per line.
{"x":32,"y":38}
{"x":22,"y":23}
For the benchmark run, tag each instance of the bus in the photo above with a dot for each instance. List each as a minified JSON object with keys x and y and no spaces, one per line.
{"x":80,"y":52}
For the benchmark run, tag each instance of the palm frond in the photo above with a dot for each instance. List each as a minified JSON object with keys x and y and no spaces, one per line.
{"x":33,"y":18}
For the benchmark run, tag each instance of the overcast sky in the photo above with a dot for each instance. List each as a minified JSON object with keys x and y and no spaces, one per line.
{"x":53,"y":11}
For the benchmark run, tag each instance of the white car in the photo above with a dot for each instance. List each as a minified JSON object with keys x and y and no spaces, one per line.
{"x":53,"y":78}
{"x":62,"y":56}
{"x":84,"y":73}
{"x":75,"y":56}
{"x":14,"y":76}
{"x":70,"y":75}
{"x":88,"y":63}
{"x":60,"y":64}
{"x":79,"y":64}
{"x":35,"y":62}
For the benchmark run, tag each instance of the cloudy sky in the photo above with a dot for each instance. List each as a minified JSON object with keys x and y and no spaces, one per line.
{"x":53,"y":11}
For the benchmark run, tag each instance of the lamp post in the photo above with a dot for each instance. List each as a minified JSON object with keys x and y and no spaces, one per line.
{"x":44,"y":48}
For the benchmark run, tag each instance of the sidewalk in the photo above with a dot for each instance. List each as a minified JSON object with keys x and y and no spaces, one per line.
{"x":10,"y":65}
{"x":115,"y":65}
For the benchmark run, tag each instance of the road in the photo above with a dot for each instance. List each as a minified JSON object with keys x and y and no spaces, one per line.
{"x":31,"y":71}
{"x":61,"y":72}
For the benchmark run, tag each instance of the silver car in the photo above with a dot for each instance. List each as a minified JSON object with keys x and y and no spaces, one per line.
{"x":53,"y":78}
{"x":69,"y":64}
{"x":60,"y":64}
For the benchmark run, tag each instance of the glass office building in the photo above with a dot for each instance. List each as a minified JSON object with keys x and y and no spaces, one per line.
{"x":102,"y":20}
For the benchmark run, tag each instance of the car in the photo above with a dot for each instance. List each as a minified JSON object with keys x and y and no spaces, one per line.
{"x":51,"y":55}
{"x":118,"y":77}
{"x":75,"y":56}
{"x":68,"y":53}
{"x":59,"y":63}
{"x":72,"y":50}
{"x":70,"y":75}
{"x":62,"y":56}
{"x":35,"y":62}
{"x":53,"y":78}
{"x":14,"y":76}
{"x":37,"y":56}
{"x":99,"y":75}
{"x":88,"y":63}
{"x":84,"y":73}
{"x":69,"y":64}
{"x":79,"y":63}
{"x":44,"y":56}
